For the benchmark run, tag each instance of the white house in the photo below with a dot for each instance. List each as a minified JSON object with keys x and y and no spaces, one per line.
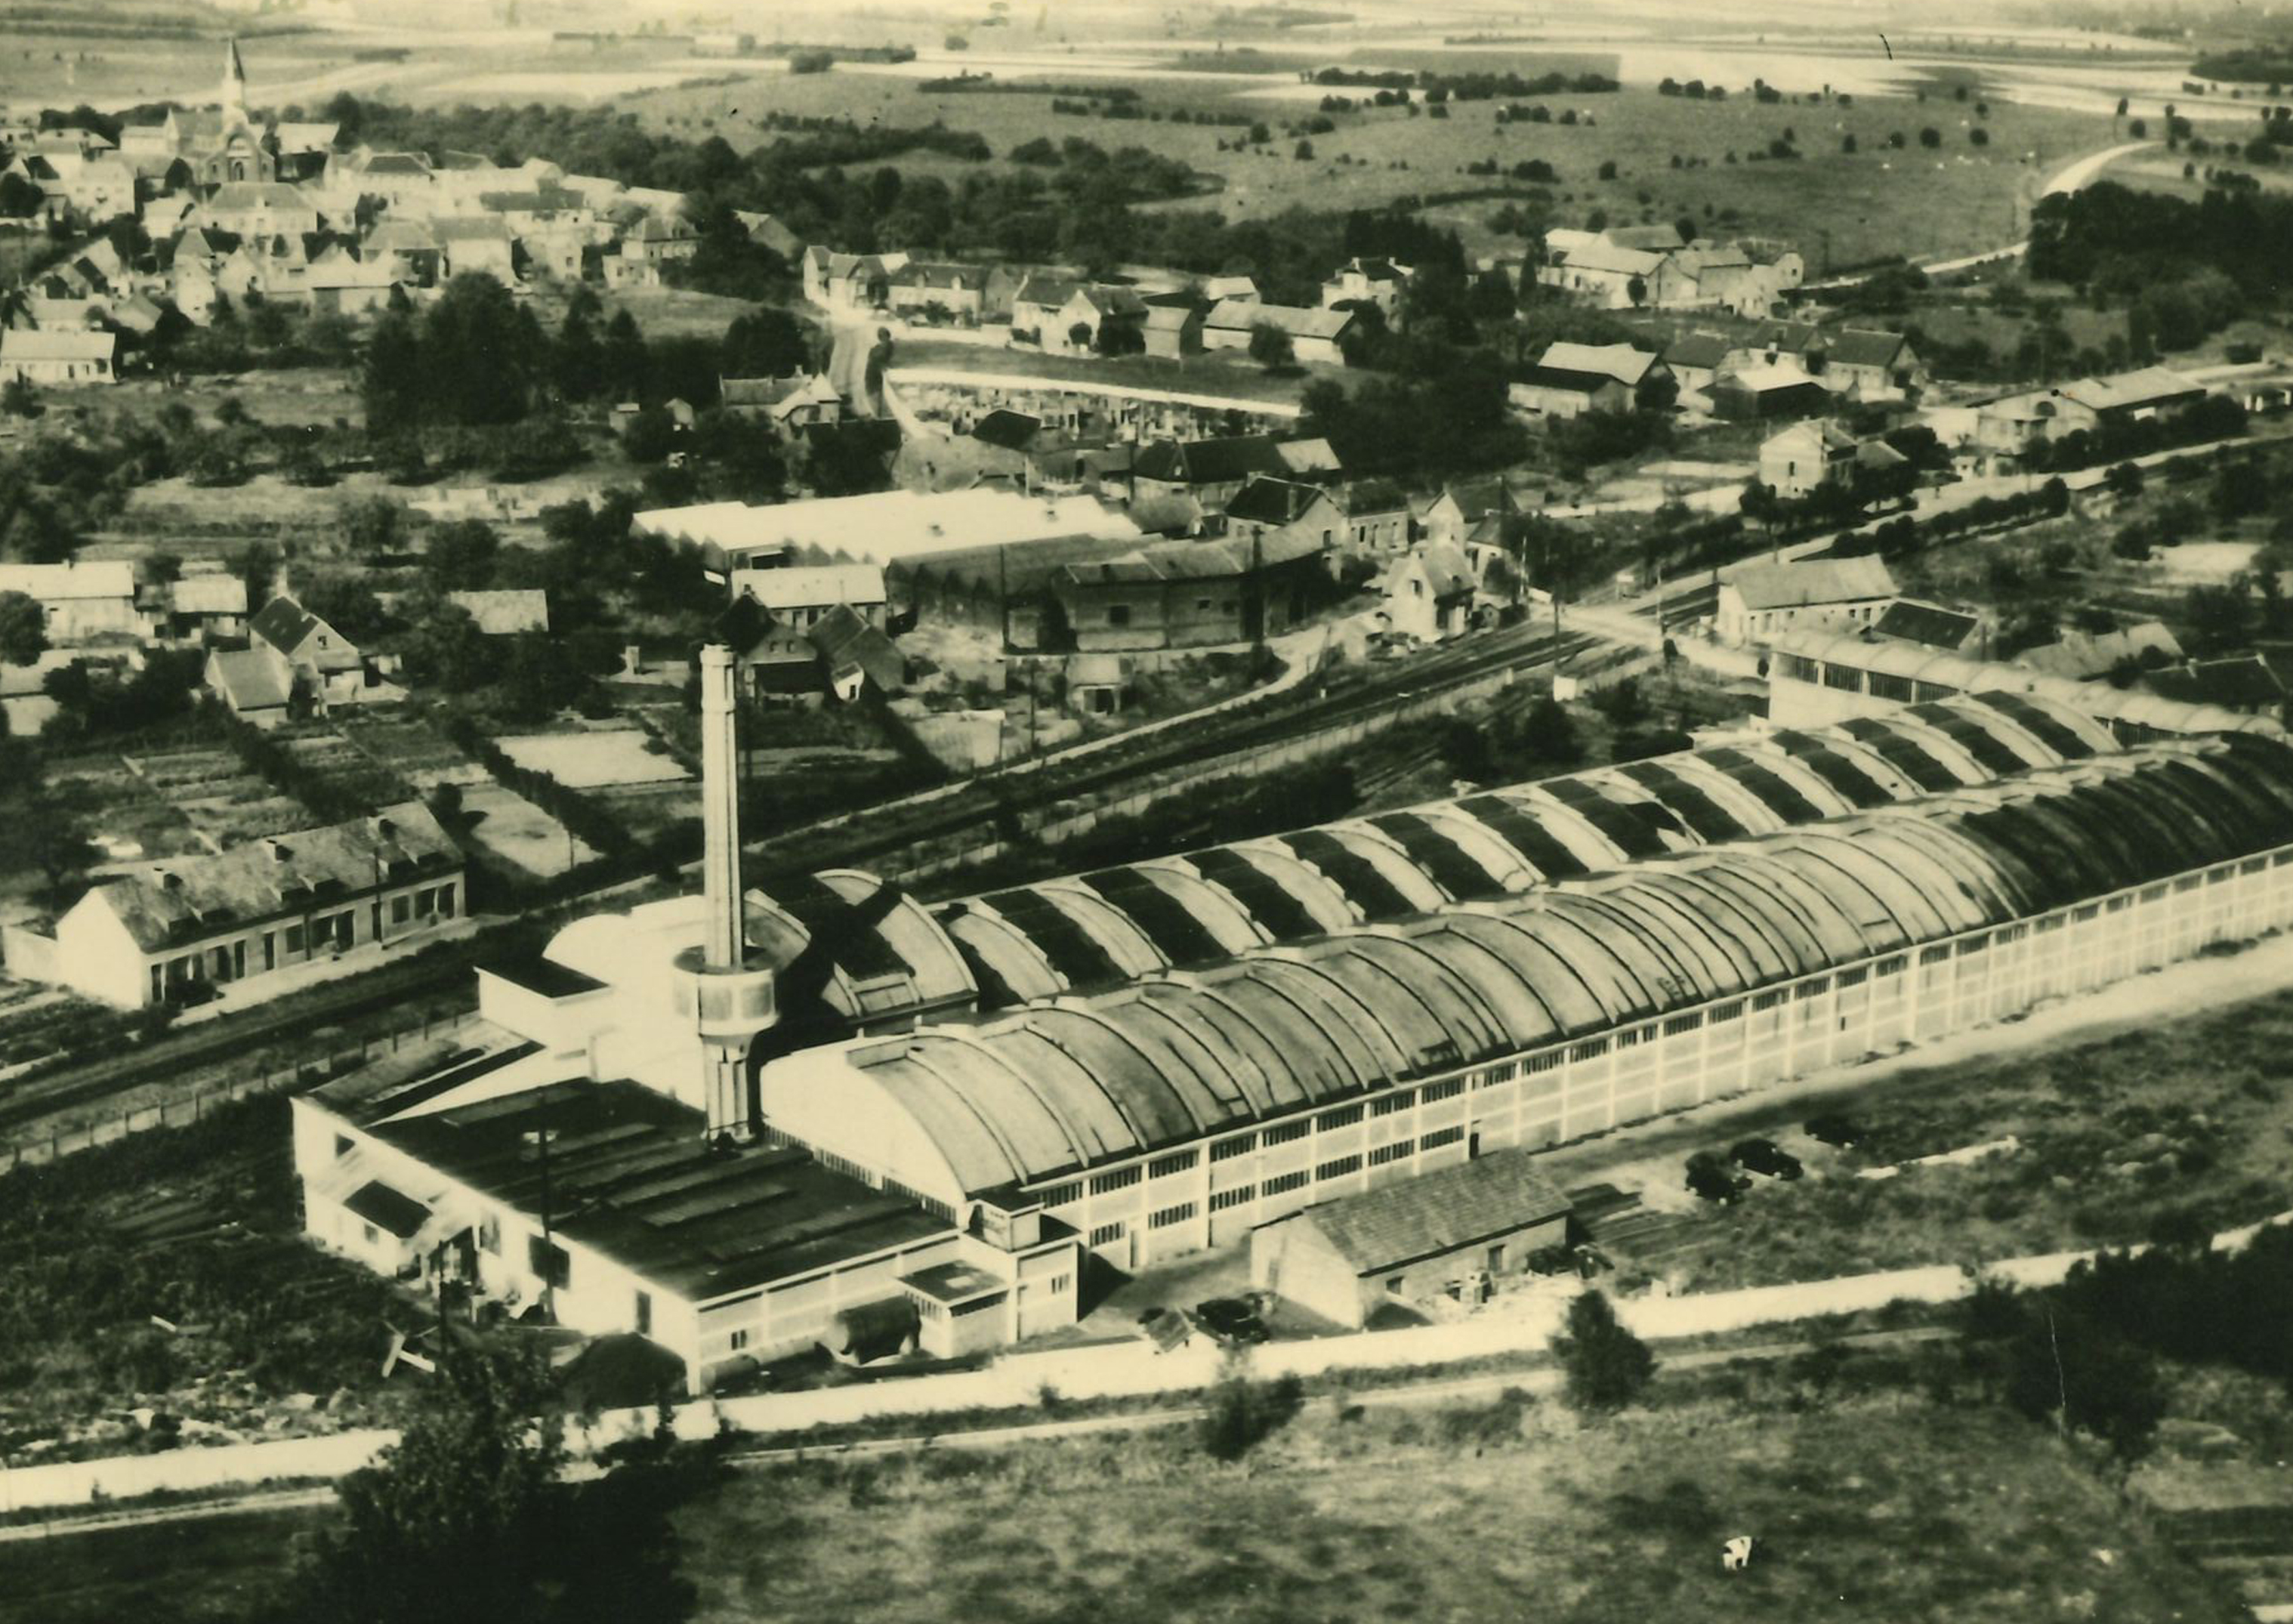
{"x":800,"y":595}
{"x":1759,"y":601}
{"x":80,"y":602}
{"x":65,"y":358}
{"x":1314,"y":335}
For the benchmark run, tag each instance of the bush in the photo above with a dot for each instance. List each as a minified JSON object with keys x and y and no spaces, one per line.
{"x":1242,"y":1413}
{"x":1605,"y":1365}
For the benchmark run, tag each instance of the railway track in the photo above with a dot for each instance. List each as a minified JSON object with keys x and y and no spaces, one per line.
{"x":861,"y":840}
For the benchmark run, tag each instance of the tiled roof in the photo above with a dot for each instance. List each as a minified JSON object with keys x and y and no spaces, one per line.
{"x":187,"y":899}
{"x":1825,"y":580}
{"x":1442,"y":1211}
{"x":1272,"y":502}
{"x":1929,"y":623}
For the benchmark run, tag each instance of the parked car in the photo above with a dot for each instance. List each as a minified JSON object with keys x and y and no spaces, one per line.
{"x":1765,"y":1156}
{"x":1833,"y":1130}
{"x":1230,"y":1319}
{"x":1714,"y":1180}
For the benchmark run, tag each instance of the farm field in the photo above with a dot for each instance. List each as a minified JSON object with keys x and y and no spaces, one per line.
{"x":1196,"y":374}
{"x":413,"y":751}
{"x":224,"y":802}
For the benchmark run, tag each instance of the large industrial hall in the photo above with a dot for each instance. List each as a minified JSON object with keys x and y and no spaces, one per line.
{"x":869,"y":1100}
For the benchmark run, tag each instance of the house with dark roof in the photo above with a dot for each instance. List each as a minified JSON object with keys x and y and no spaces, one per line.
{"x":1908,"y":620}
{"x":312,"y":655}
{"x":1268,"y":507}
{"x":1213,"y":471}
{"x":943,"y":293}
{"x":177,"y":931}
{"x":1429,"y":593}
{"x":2248,"y":684}
{"x":773,"y":659}
{"x":1858,"y":363}
{"x":1696,"y":360}
{"x":855,"y":655}
{"x":1463,"y":507}
{"x":1451,"y":1233}
{"x":1189,"y":593}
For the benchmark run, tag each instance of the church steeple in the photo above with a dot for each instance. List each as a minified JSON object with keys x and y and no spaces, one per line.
{"x":234,"y":86}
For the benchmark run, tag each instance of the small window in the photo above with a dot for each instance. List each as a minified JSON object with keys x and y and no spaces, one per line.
{"x":1393,"y":1287}
{"x":401,"y":909}
{"x":367,"y":1229}
{"x":343,"y":1146}
{"x":738,"y":1340}
{"x":1118,"y":614}
{"x":548,"y":1261}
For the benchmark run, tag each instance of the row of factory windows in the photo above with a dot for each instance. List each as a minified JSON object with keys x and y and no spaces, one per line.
{"x":1599,"y":1083}
{"x":334,"y":932}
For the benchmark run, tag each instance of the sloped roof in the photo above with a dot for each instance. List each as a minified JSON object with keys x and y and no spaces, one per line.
{"x":1013,"y":431}
{"x":1817,"y":581}
{"x":1704,"y":351}
{"x":2079,"y":653}
{"x":1443,"y":1211}
{"x":1932,"y":624}
{"x":250,"y":680}
{"x":2125,"y":391}
{"x":1297,"y":320}
{"x":28,"y":344}
{"x":1605,"y":362}
{"x":186,"y":898}
{"x":2240,"y":682}
{"x":1049,"y":291}
{"x":285,"y":625}
{"x":810,"y":586}
{"x":1209,"y":462}
{"x":208,"y":592}
{"x":1272,"y":502}
{"x":236,"y":195}
{"x":55,"y":583}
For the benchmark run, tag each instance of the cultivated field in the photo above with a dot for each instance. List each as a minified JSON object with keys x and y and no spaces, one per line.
{"x":590,"y":760}
{"x":512,"y":829}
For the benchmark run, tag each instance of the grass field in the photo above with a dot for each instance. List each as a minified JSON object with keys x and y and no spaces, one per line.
{"x":2188,"y":1119}
{"x":1886,"y":1508}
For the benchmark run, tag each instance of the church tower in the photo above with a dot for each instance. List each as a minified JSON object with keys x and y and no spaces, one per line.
{"x":234,"y":87}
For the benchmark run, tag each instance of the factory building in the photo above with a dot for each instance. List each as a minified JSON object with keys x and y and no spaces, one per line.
{"x":872,"y":1105}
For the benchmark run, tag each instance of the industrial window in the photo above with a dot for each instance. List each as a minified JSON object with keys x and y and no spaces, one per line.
{"x":1853,"y":977}
{"x":1935,"y":955}
{"x":1808,"y":990}
{"x":294,"y":938}
{"x":548,"y":1261}
{"x":737,"y":1340}
{"x":1061,"y":1195}
{"x":1892,"y":966}
{"x":445,"y":902}
{"x":1387,"y":1105}
{"x":1344,"y":1117}
{"x":1118,"y":614}
{"x":1550,"y":1061}
{"x":1106,"y":1234}
{"x":1434,"y":1093}
{"x":1593,"y":1051}
{"x":1283,"y":1183}
{"x":1337,"y":1169}
{"x":1495,"y":1075}
{"x":1227,"y":1149}
{"x":1121,"y":1177}
{"x":1731,"y":1011}
{"x":1440,"y":1137}
{"x":1169,"y":1216}
{"x":1163,"y":1166}
{"x":1284,"y":1133}
{"x":401,"y":909}
{"x":1061,"y":1284}
{"x":1631,"y":1039}
{"x":1237,"y":1197}
{"x":1768,"y":1001}
{"x":1393,"y":1152}
{"x":1679,"y":1024}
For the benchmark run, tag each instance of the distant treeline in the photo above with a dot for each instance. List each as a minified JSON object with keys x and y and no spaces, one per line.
{"x":2273,"y":67}
{"x":988,"y":83}
{"x":2135,"y":240}
{"x":1469,"y":86}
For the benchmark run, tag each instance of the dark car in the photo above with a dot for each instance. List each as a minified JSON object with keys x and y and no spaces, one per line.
{"x":1712,"y":1179}
{"x":1230,"y":1319}
{"x":1835,"y":1130}
{"x":1765,"y":1156}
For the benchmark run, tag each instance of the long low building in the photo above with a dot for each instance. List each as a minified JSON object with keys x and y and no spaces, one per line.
{"x":1818,"y":678}
{"x":884,"y":528}
{"x":1183,"y":1110}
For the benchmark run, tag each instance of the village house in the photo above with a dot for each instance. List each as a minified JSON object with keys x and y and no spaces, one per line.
{"x":308,"y":659}
{"x":856,"y":655}
{"x":1268,"y":507}
{"x":1369,"y":281}
{"x":1315,"y":336}
{"x":1429,"y":593}
{"x":1173,"y":330}
{"x":848,"y":282}
{"x":772,"y":660}
{"x":1801,"y":459}
{"x":1378,"y":521}
{"x":2017,"y":422}
{"x":1095,"y":321}
{"x":1464,"y":508}
{"x":1036,"y":304}
{"x":1695,"y":361}
{"x":1212,"y":471}
{"x":1569,"y":380}
{"x":1908,"y":620}
{"x":205,"y":607}
{"x":2079,"y":655}
{"x":80,"y":602}
{"x":1448,"y":1234}
{"x":801,"y":595}
{"x":1767,"y":392}
{"x":258,"y":209}
{"x":941,"y":292}
{"x":70,"y":359}
{"x":476,"y":243}
{"x":1760,"y":601}
{"x":179,"y":930}
{"x":1856,"y":364}
{"x":1189,"y":593}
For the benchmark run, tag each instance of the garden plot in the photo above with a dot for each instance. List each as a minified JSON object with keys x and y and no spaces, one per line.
{"x":122,"y":814}
{"x":512,"y":830}
{"x":224,"y":802}
{"x":594,"y":761}
{"x":341,"y":765}
{"x":414,"y":753}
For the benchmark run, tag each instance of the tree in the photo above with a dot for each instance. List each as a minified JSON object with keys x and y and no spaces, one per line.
{"x":2078,"y":1374}
{"x":459,"y":556}
{"x":1241,"y":1413}
{"x":454,"y":1521}
{"x":1270,"y":347}
{"x":1302,"y":152}
{"x":577,"y":363}
{"x":2124,"y":480}
{"x":626,"y":363}
{"x":768,"y":342}
{"x":23,"y":629}
{"x":56,"y":845}
{"x":1605,"y":1365}
{"x":392,"y":383}
{"x":1930,"y":137}
{"x":1636,"y":290}
{"x":649,"y":435}
{"x":374,"y":527}
{"x":446,"y":649}
{"x":17,"y":397}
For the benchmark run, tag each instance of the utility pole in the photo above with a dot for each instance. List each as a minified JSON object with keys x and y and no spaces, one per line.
{"x":540,"y":1137}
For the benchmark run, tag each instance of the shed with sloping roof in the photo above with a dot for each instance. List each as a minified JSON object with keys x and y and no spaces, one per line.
{"x":1449,"y":1232}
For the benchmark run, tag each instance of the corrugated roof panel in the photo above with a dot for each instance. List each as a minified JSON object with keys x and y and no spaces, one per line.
{"x":1771,"y":786}
{"x":1354,"y":875}
{"x":1843,"y":775}
{"x":1988,"y":745}
{"x":1438,"y":856}
{"x":1520,"y":829}
{"x":1178,"y":935}
{"x":1905,"y":754}
{"x":1636,"y":828}
{"x":1079,"y":960}
{"x":1700,"y":811}
{"x":1282,"y":915}
{"x":2058,"y":735}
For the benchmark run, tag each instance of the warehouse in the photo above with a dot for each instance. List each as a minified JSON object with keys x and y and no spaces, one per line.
{"x":1183,"y":1110}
